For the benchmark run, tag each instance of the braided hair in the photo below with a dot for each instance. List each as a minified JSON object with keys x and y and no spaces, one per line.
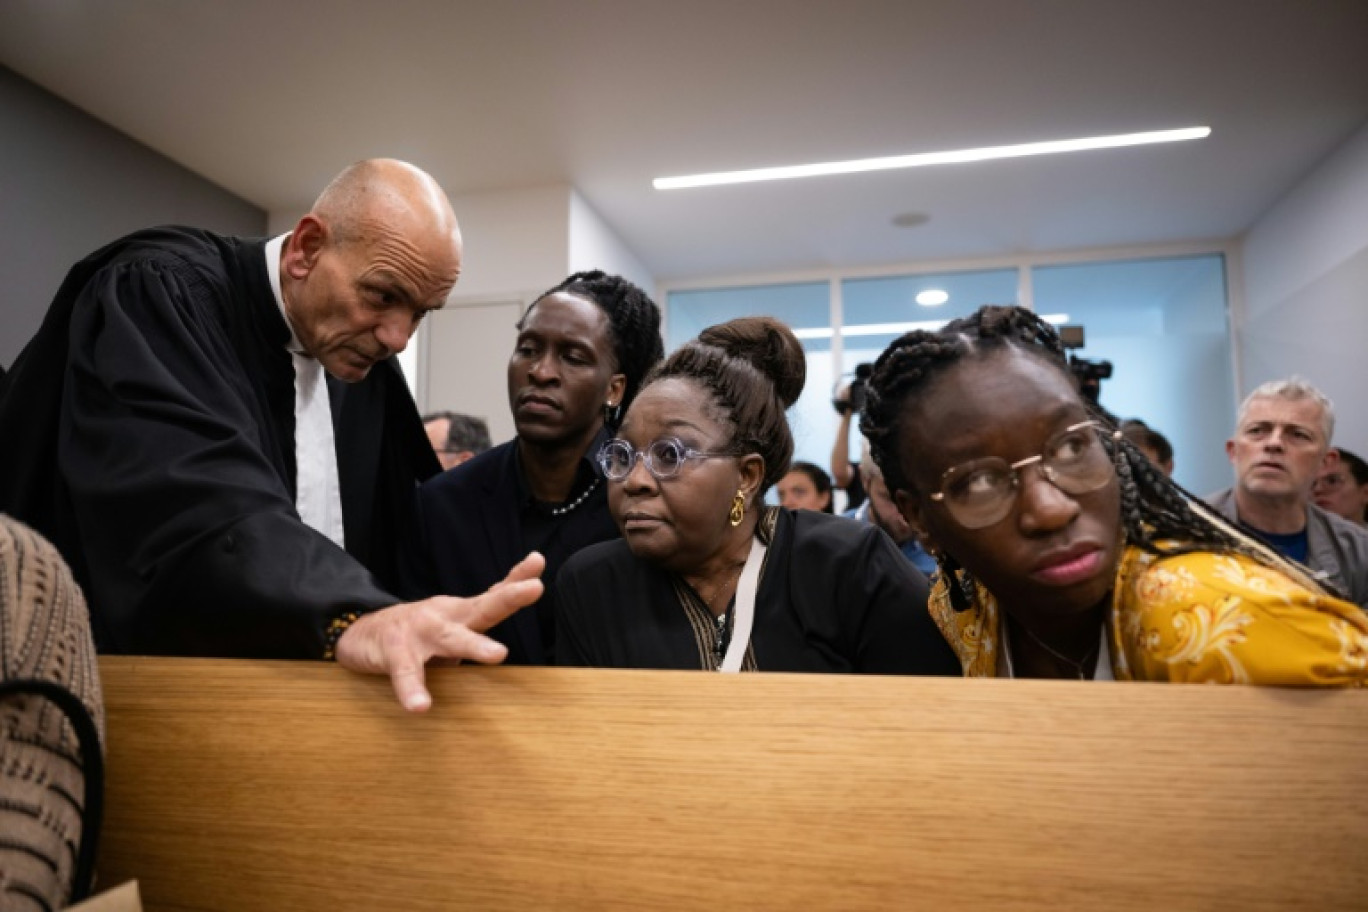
{"x":1157,"y":515}
{"x":753,"y":369}
{"x":633,"y":325}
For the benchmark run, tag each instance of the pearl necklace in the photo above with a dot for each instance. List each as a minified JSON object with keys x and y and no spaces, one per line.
{"x":561,"y":511}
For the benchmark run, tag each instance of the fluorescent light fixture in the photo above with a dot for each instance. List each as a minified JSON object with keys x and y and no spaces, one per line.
{"x":932,"y":297}
{"x":922,"y":159}
{"x":897,"y":329}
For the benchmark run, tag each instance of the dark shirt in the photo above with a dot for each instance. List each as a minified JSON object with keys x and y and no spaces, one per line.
{"x":548,"y":529}
{"x":1293,"y":545}
{"x":473,"y":523}
{"x":834,"y":596}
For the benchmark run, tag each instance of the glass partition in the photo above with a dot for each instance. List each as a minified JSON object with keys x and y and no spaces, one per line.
{"x":878,"y":310}
{"x":806,"y":307}
{"x":1162,"y":326}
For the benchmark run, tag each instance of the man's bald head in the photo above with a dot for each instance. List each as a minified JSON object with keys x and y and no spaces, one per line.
{"x":386,"y":191}
{"x":379,"y":249}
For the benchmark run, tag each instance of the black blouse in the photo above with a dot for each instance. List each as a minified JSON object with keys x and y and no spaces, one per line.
{"x":835,"y":595}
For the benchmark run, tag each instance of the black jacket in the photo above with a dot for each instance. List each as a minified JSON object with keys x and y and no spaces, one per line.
{"x":468,"y":534}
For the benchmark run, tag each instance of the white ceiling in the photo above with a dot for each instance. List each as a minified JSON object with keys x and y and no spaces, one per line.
{"x":269,"y":98}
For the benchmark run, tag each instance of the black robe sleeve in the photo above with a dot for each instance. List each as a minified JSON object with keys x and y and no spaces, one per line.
{"x":186,"y":524}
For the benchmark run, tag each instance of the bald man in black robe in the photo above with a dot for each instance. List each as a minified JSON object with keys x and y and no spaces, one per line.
{"x":151,"y":431}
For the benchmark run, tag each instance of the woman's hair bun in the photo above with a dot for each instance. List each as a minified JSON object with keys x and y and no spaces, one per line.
{"x":769,"y":346}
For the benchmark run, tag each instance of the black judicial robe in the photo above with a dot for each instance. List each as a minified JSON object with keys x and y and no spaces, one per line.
{"x":148,"y":431}
{"x":835,"y":595}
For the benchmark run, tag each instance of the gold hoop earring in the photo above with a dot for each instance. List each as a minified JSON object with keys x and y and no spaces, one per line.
{"x":738,"y":509}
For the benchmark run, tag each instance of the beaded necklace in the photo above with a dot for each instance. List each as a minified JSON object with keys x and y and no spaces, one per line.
{"x":561,"y":511}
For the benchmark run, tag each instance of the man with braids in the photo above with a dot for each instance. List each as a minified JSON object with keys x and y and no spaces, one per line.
{"x":582,"y":351}
{"x":1064,"y":552}
{"x":214,"y":434}
{"x":707,"y":576}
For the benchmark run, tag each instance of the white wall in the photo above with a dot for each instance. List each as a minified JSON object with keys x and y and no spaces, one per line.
{"x":593,"y":245}
{"x":1306,"y":288}
{"x":518,"y":243}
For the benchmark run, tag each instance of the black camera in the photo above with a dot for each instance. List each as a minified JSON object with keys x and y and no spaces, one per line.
{"x":1088,"y":374}
{"x":858,"y":392}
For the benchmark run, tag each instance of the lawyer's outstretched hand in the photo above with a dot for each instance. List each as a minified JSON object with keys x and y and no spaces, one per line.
{"x":400,"y":640}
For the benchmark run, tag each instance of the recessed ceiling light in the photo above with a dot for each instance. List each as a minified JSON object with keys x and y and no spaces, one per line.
{"x":932,"y":297}
{"x":922,"y":159}
{"x":911,"y":219}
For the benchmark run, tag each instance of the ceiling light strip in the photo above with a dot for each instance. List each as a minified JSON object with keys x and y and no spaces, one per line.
{"x":897,"y":329}
{"x":923,"y":159}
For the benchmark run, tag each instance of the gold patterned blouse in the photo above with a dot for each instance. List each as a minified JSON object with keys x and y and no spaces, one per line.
{"x":1198,"y":617}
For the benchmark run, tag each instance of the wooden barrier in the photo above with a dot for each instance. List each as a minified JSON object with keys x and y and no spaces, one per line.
{"x":298,"y":786}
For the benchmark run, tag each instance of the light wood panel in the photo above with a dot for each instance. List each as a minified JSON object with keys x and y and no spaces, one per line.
{"x":257,"y":785}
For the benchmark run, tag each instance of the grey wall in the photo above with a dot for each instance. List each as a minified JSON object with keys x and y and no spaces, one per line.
{"x":1306,"y":288}
{"x":68,"y":185}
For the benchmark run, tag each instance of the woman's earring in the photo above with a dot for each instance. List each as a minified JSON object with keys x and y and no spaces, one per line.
{"x":612,"y":413}
{"x":738,"y":509}
{"x":959,"y":582}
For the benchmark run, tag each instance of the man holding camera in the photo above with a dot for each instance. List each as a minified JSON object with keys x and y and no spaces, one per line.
{"x":849,"y":402}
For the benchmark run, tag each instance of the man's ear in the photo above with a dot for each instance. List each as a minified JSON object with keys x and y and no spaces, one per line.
{"x":1230,"y":450}
{"x":303,"y":247}
{"x":1332,"y":459}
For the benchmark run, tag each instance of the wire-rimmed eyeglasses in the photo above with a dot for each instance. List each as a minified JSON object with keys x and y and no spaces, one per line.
{"x":664,"y":457}
{"x":979,"y":493}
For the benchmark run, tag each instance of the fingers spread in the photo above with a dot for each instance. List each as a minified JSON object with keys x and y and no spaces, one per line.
{"x":484,"y":611}
{"x":529,"y":567}
{"x":408,"y":679}
{"x":460,"y":642}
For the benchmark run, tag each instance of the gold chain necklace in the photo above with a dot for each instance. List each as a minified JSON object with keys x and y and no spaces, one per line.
{"x":1079,"y":667}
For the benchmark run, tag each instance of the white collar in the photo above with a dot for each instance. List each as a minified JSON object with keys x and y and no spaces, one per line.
{"x":273,"y":248}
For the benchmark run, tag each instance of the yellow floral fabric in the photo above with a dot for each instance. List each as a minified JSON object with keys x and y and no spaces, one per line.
{"x":1199,"y":617}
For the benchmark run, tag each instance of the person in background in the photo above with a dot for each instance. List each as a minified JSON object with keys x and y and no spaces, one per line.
{"x":1281,"y":444}
{"x":1153,"y":444}
{"x":805,"y":487}
{"x":456,"y":438}
{"x":581,"y":353}
{"x":880,"y":510}
{"x":844,"y":473}
{"x":708,"y":577}
{"x":1342,"y":487}
{"x":216,"y":437}
{"x":1064,"y":552}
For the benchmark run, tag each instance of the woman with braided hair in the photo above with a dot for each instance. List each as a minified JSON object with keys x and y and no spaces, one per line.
{"x":706,"y":575}
{"x":1064,"y":553}
{"x":582,"y":350}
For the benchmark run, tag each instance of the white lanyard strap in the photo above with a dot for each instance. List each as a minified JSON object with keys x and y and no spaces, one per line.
{"x":744,"y":618}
